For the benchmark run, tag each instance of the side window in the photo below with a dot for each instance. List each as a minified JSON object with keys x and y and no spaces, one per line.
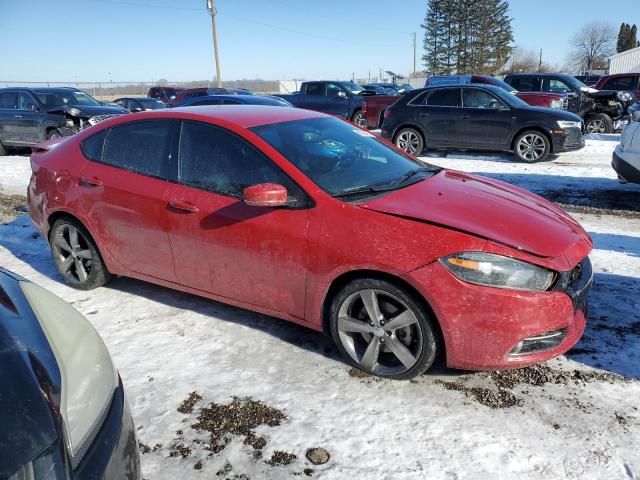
{"x":27,"y":102}
{"x":449,"y":97}
{"x":555,"y":86}
{"x":526,"y":84}
{"x":475,"y":98}
{"x":217,"y":160}
{"x":333,"y":90}
{"x":143,"y":147}
{"x":231,"y":102}
{"x":92,"y":146}
{"x":316,"y":89}
{"x":620,"y":83}
{"x":205,"y":102}
{"x":9,"y":100}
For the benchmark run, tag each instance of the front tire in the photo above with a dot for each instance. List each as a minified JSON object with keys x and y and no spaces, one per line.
{"x":382,"y":329}
{"x":76,"y":255}
{"x":532,"y":146}
{"x":409,"y":140}
{"x":599,"y":123}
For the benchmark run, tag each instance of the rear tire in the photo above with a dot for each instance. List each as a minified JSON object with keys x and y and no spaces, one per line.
{"x":399,"y":344}
{"x":598,"y":123}
{"x":532,"y":146}
{"x":76,"y":255}
{"x":360,"y":119}
{"x":409,"y":140}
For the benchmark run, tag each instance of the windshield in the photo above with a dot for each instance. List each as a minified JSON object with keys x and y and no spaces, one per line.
{"x":509,"y":98}
{"x":353,"y":87}
{"x":66,"y":98}
{"x":341,"y":158}
{"x":573,"y":82}
{"x":151,"y":103}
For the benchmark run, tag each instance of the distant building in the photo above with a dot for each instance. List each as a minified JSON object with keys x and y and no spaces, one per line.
{"x":625,"y":62}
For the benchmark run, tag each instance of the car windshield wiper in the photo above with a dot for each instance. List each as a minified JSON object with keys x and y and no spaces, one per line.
{"x":385,"y":187}
{"x":412,"y":173}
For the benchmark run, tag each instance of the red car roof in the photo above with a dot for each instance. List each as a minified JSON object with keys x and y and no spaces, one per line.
{"x":243,"y":115}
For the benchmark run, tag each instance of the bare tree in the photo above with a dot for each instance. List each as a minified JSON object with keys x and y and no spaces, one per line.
{"x":592,"y":46}
{"x":522,"y":60}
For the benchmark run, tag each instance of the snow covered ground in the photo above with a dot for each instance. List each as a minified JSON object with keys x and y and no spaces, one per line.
{"x":571,"y":418}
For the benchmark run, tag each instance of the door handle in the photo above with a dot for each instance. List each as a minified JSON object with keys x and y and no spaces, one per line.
{"x":17,"y":116}
{"x":465,"y":117}
{"x":424,"y":115}
{"x":183,"y":206}
{"x":91,"y":182}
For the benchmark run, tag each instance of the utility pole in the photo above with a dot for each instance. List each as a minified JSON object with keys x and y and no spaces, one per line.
{"x":540,"y":62}
{"x":414,"y":54}
{"x":212,"y":11}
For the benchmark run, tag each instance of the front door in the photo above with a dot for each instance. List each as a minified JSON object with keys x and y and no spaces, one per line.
{"x":256,"y":255}
{"x":123,"y":191}
{"x":485,"y":121}
{"x":21,"y":120}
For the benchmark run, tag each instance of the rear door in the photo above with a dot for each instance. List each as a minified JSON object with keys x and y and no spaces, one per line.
{"x":485,"y":121}
{"x":325,"y":97}
{"x":124,"y":188}
{"x":437,"y":113}
{"x":255,"y":255}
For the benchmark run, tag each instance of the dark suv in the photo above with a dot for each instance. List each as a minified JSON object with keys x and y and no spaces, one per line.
{"x":30,"y":115}
{"x":603,"y":111}
{"x":479,"y":117}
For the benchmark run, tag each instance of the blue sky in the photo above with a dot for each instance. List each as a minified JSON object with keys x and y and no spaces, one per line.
{"x":144,"y":40}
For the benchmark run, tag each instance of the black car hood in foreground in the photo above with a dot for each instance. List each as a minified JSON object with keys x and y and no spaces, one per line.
{"x":30,"y":379}
{"x":554,"y":113}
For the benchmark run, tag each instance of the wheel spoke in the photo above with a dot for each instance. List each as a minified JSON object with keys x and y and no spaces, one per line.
{"x":401,"y":351}
{"x":73,"y":238}
{"x":86,"y":254}
{"x":62,"y":243}
{"x":348,"y":324}
{"x":66,"y":264}
{"x":80,"y":270}
{"x":370,"y":357}
{"x":370,"y":300}
{"x":405,"y":319}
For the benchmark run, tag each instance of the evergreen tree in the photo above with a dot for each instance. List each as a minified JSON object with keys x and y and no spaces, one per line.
{"x":467,"y":36}
{"x":623,"y":38}
{"x":632,"y":40}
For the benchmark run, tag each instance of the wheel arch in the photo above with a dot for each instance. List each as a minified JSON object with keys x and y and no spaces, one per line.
{"x":409,"y":125}
{"x":339,"y":282}
{"x":535,"y":128}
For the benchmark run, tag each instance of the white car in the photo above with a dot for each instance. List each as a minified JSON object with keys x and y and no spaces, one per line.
{"x":626,"y":157}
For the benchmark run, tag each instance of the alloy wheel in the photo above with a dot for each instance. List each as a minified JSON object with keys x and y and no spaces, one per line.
{"x":408,"y":141}
{"x":360,"y":120}
{"x":596,"y":126}
{"x":379,"y":332}
{"x":531,"y":147}
{"x":72,"y":253}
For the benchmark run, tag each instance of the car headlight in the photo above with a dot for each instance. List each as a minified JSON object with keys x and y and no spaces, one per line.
{"x":625,"y":96}
{"x":569,"y":124}
{"x":557,"y":103}
{"x":75,"y":112}
{"x":89,"y":378}
{"x":497,"y":271}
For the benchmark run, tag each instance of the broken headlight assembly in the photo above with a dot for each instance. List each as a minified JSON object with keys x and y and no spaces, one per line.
{"x":497,"y":271}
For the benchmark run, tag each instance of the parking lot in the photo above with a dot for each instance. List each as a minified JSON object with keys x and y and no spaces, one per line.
{"x":284,"y":389}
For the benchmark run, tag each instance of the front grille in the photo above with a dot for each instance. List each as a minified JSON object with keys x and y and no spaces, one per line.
{"x":573,"y":137}
{"x":577,"y":283}
{"x":99,"y":118}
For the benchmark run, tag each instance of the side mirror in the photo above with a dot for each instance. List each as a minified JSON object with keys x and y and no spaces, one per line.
{"x":172,"y":97}
{"x":137,"y":109}
{"x":265,"y":195}
{"x":342,"y":94}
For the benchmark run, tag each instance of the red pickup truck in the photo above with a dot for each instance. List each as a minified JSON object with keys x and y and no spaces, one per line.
{"x":375,"y":106}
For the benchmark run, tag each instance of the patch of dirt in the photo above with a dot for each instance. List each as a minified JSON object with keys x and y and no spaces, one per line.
{"x":485,"y":396}
{"x":197,"y":465}
{"x":11,"y":207}
{"x":597,"y":202}
{"x":620,"y":330}
{"x":188,"y":403}
{"x":308,"y":471}
{"x":357,"y":373}
{"x":281,"y":458}
{"x":539,"y":375}
{"x":318,"y":456}
{"x":240,"y":417}
{"x":180,"y":450}
{"x":143,"y":448}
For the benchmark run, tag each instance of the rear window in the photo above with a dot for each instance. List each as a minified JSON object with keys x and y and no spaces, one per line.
{"x":92,"y":146}
{"x":142,"y":147}
{"x":621,"y":83}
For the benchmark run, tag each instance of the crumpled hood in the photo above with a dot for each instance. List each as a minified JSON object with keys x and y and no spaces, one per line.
{"x":489,"y":209}
{"x":92,"y":110}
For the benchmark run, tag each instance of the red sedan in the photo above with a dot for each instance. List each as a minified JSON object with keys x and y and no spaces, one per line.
{"x":305,"y":217}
